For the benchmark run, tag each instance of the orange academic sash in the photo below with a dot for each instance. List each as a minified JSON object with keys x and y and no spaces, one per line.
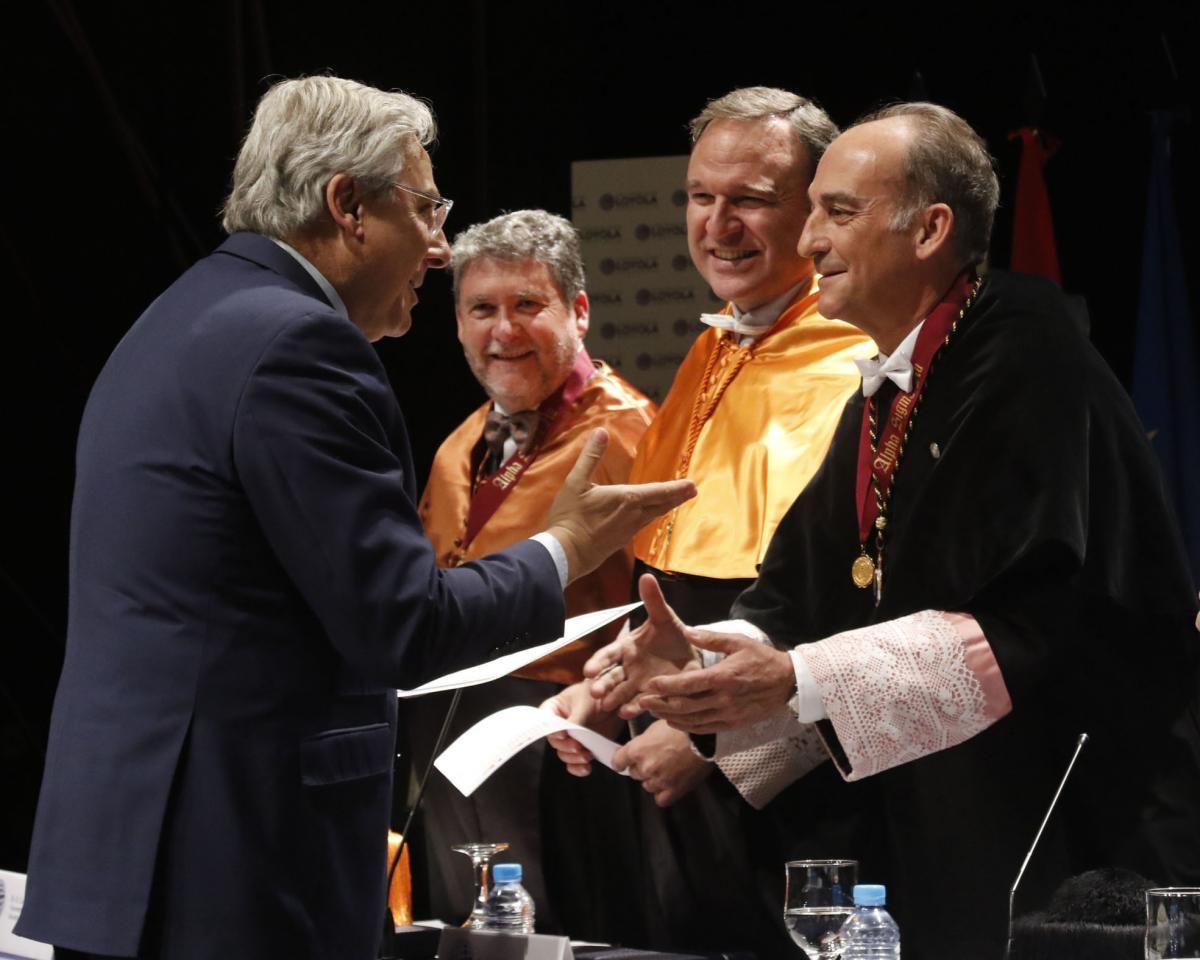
{"x":750,"y":424}
{"x":606,"y":401}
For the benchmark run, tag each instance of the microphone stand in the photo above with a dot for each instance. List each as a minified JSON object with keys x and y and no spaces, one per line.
{"x":388,"y":946}
{"x":1012,"y":893}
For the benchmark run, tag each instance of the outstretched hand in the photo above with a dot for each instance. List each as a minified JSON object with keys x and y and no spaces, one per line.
{"x":752,"y":683}
{"x":661,"y":645}
{"x":593,"y":520}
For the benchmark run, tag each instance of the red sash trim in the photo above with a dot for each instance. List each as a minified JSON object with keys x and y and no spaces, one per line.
{"x":880,"y":464}
{"x":490,"y":492}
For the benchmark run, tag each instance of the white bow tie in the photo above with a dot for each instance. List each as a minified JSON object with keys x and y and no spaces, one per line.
{"x":725,"y":321}
{"x":897,"y":368}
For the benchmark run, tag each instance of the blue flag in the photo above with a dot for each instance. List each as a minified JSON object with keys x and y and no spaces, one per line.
{"x":1166,"y":371}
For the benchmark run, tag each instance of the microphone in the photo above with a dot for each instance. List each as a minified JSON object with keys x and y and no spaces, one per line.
{"x":389,"y":947}
{"x":1012,"y":893}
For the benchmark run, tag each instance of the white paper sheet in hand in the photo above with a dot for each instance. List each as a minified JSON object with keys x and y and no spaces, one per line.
{"x":488,"y":745}
{"x":574,"y":629}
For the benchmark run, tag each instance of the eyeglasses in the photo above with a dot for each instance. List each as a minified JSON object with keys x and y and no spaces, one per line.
{"x":440,"y":210}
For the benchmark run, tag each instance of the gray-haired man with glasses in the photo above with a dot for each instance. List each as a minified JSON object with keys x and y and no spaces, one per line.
{"x":437,"y":210}
{"x":249,"y":576}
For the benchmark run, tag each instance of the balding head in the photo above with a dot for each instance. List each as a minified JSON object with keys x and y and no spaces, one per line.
{"x":886,"y":253}
{"x":945,"y":162}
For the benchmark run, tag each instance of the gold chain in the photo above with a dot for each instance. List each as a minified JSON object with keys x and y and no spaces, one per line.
{"x":704,"y":405}
{"x":883,"y":497}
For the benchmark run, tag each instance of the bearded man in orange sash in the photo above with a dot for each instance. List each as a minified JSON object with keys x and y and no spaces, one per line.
{"x":749,"y":418}
{"x":522,"y":315}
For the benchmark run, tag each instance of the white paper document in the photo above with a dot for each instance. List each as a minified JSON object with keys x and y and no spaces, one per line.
{"x":574,"y":629}
{"x":12,"y":899}
{"x":488,"y":745}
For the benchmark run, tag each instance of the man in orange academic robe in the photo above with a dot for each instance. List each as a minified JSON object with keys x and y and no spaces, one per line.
{"x":749,"y":418}
{"x":522,"y":315}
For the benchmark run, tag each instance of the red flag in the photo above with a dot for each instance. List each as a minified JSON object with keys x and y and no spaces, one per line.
{"x":1033,"y":249}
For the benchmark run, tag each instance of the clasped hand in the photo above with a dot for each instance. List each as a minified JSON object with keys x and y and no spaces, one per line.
{"x":656,"y":668}
{"x":621,"y":671}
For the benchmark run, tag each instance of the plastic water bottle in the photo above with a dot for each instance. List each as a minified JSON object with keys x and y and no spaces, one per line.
{"x":870,"y":933}
{"x":509,"y":906}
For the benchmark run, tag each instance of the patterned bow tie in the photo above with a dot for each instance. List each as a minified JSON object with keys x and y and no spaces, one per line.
{"x":522,"y":426}
{"x":897,"y":368}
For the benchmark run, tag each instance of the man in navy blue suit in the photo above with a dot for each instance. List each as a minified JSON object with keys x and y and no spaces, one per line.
{"x":249,"y":578}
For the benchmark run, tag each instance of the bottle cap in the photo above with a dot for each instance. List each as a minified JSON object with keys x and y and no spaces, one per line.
{"x":506,"y":872}
{"x":870,"y":894}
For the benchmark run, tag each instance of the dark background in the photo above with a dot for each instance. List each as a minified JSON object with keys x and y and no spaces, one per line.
{"x":122,"y":121}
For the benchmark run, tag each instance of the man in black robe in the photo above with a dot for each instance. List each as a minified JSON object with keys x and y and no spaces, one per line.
{"x":1027,"y":582}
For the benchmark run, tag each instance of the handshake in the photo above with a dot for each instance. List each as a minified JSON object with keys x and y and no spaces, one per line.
{"x":659,"y":669}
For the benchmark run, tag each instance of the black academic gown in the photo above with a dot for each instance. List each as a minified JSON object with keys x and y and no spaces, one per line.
{"x":627,"y":872}
{"x":1041,"y":513}
{"x":713,"y":870}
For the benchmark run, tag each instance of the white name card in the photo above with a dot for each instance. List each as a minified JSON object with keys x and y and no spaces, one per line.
{"x":459,"y":944}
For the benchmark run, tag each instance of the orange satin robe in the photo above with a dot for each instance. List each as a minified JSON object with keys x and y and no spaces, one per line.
{"x":756,"y":445}
{"x":606,"y":401}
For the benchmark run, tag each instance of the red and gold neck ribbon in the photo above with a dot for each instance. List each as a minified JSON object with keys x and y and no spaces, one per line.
{"x":491,"y":491}
{"x":881,"y":462}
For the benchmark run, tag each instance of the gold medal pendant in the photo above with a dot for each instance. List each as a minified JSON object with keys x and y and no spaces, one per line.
{"x":862,"y":571}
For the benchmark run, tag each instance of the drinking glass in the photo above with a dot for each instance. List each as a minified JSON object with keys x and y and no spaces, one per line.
{"x":481,"y":857}
{"x":1172,"y":923}
{"x":819,"y":898}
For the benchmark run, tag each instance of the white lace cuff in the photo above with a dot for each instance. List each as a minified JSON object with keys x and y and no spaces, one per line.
{"x":900,"y":690}
{"x":763,"y":758}
{"x":767,"y":756}
{"x":760,"y":772}
{"x":778,"y":727}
